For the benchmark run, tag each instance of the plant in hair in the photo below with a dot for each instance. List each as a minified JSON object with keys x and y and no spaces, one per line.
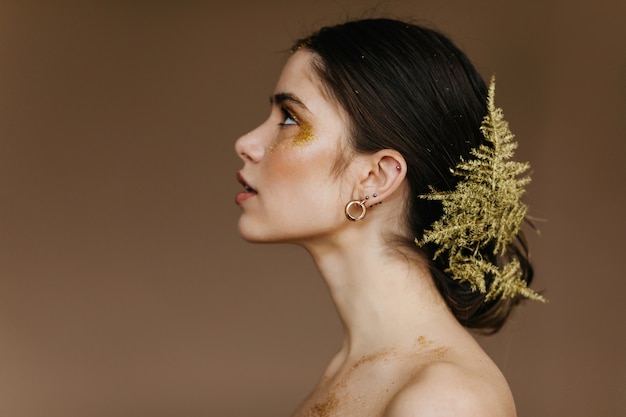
{"x":484,"y":213}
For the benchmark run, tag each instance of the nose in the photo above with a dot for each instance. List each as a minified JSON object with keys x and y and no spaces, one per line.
{"x":249,"y":147}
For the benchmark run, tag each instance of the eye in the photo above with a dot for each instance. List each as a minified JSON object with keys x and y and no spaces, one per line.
{"x":288,"y":118}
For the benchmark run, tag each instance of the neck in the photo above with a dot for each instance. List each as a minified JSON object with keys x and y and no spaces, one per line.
{"x":384,"y":299}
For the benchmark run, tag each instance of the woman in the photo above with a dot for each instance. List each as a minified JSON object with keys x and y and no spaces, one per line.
{"x":375,"y":111}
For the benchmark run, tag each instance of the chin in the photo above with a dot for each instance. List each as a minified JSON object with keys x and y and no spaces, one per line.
{"x":261,"y":232}
{"x":250,"y":237}
{"x":253,"y":234}
{"x":257,"y":235}
{"x":253,"y":239}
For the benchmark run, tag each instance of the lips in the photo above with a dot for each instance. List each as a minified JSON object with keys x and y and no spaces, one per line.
{"x":243,"y":182}
{"x":248,"y":193}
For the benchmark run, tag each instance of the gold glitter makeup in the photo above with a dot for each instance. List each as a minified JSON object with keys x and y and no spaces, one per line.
{"x":304,"y":136}
{"x":326,"y":408}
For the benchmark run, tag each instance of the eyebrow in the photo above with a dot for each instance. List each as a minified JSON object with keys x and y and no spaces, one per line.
{"x":280,"y":98}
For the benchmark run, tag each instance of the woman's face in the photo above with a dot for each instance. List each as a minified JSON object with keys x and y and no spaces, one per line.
{"x":291,"y":193}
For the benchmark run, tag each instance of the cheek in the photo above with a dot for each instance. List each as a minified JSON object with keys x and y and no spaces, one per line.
{"x":303,"y":166}
{"x":305,"y":162}
{"x":292,"y":176}
{"x":302,"y":138}
{"x":303,"y":179}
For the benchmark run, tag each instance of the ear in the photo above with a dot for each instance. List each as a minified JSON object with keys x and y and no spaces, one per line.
{"x":382,"y":174}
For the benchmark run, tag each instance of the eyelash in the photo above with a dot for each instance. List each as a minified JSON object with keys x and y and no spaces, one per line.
{"x":288,"y":115}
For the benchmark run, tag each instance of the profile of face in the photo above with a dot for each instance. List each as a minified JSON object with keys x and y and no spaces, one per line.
{"x":291,"y":191}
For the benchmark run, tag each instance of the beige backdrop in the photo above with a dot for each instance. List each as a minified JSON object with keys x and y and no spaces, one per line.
{"x":124,"y":287}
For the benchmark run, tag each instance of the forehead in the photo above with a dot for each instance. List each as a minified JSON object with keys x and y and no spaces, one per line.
{"x":299,"y":78}
{"x":298,"y":68}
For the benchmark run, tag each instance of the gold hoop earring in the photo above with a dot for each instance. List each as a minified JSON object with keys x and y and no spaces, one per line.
{"x":353,"y":203}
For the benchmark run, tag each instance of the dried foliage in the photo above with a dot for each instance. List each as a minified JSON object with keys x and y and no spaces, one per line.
{"x":484,"y":212}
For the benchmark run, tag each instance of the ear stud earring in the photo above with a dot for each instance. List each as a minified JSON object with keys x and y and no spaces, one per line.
{"x":362,"y":207}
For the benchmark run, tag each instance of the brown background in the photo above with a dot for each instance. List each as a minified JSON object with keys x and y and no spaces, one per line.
{"x":124,"y":287}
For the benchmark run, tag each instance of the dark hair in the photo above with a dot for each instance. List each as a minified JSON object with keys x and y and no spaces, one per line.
{"x":409,"y":88}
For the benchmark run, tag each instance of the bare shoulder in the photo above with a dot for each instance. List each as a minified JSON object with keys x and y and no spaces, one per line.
{"x":447,"y":389}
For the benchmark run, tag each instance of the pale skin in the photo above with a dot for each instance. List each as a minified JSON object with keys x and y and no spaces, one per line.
{"x":404,"y":354}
